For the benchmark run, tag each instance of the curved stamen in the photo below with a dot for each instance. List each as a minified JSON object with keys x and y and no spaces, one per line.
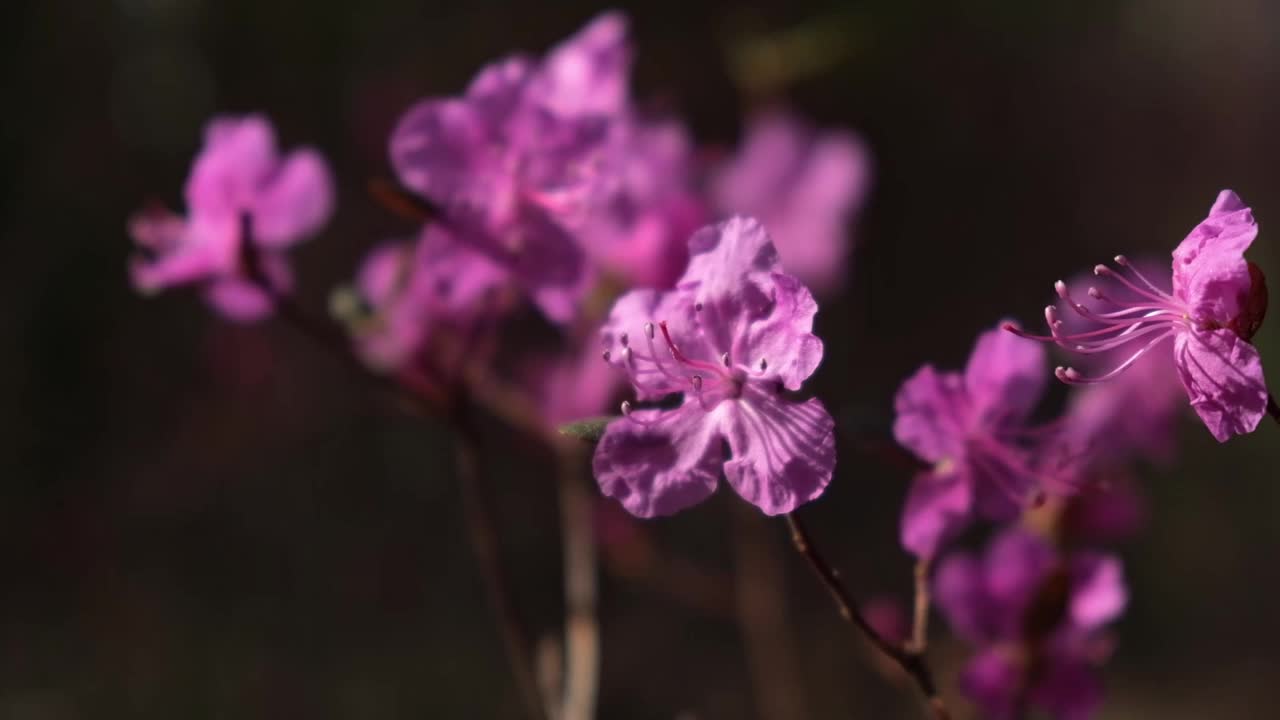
{"x":1074,"y":377}
{"x":1123,"y":262}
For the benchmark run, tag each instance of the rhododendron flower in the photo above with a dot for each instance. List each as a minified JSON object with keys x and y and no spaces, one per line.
{"x":512,"y":161}
{"x":805,"y":186}
{"x":646,"y":206}
{"x":411,"y":289}
{"x":1037,"y":621}
{"x":246,"y":204}
{"x":973,"y":430}
{"x":732,"y":337}
{"x":1217,"y":303}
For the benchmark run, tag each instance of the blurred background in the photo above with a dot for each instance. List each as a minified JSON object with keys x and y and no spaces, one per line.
{"x":203,"y":520}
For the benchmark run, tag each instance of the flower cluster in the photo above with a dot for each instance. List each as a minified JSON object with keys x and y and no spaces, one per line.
{"x":544,"y":185}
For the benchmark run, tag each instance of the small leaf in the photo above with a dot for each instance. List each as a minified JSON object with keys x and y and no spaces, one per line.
{"x":587,"y":429}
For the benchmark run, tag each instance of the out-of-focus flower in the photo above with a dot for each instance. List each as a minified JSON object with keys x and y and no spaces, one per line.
{"x":246,"y":204}
{"x":1037,"y":621}
{"x":1112,"y":509}
{"x":973,"y":429}
{"x":411,"y":288}
{"x":888,"y":617}
{"x":729,"y":340}
{"x":646,"y":207}
{"x":574,"y":385}
{"x":1217,"y":304}
{"x":512,"y":162}
{"x":806,"y":186}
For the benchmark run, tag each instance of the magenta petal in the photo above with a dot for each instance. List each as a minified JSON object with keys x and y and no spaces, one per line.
{"x":238,"y":300}
{"x":930,"y":415}
{"x":1223,"y":378}
{"x":442,"y":148}
{"x":1006,"y":375}
{"x":990,"y":680}
{"x":784,"y":452}
{"x":648,"y":361}
{"x":1225,"y":234}
{"x":238,"y":156}
{"x":722,"y":256}
{"x":1016,"y":562}
{"x":659,"y":462}
{"x":178,"y":252}
{"x":960,"y":593}
{"x":1098,"y":592}
{"x":589,"y":72}
{"x":1069,"y":689}
{"x":296,"y":202}
{"x":937,"y":509}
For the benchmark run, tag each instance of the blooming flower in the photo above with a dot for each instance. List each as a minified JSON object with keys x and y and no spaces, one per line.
{"x":1037,"y":621}
{"x":246,"y":204}
{"x":1217,"y":303}
{"x":972,"y":428}
{"x":805,"y":186}
{"x":412,"y":289}
{"x":734,"y":334}
{"x":512,"y":160}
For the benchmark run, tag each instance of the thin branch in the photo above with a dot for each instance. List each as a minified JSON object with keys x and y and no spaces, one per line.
{"x":920,"y":615}
{"x":484,"y":542}
{"x":1273,"y":408}
{"x":581,"y":628}
{"x":762,"y":615}
{"x":911,"y":662}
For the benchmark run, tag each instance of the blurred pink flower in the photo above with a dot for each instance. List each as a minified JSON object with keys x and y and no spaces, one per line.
{"x":806,"y":186}
{"x":1217,"y":304}
{"x":734,"y":334}
{"x":1034,"y":618}
{"x":245,"y":205}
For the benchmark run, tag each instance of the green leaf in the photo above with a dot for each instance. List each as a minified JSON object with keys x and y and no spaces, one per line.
{"x":587,"y":429}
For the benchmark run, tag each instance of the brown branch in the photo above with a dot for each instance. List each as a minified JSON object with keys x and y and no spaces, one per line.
{"x":912,"y":663}
{"x":1273,"y":408}
{"x":484,"y":542}
{"x":581,"y":628}
{"x":920,"y":616}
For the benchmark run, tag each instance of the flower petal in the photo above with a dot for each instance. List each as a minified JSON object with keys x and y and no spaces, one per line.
{"x":238,"y":156}
{"x":1223,"y":378}
{"x":589,"y":72}
{"x":658,"y":462}
{"x":649,"y":363}
{"x":784,"y":452}
{"x":938,"y":508}
{"x":931,"y":419}
{"x":1005,"y":376}
{"x":1098,"y":592}
{"x":960,"y":592}
{"x":1069,"y":689}
{"x":991,"y":679}
{"x":296,"y":202}
{"x":1225,"y":234}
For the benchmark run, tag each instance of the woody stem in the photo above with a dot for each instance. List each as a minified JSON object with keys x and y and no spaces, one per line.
{"x":1273,"y":408}
{"x":911,"y":660}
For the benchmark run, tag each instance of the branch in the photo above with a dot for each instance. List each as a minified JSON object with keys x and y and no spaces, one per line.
{"x":1273,"y":408}
{"x":912,"y":662}
{"x":581,"y":629}
{"x":920,"y":617}
{"x":484,"y":542}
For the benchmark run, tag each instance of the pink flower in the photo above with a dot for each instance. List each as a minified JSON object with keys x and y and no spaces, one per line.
{"x":1036,"y":619}
{"x":512,"y":161}
{"x":1216,"y":305}
{"x":412,"y":289}
{"x":246,"y":204}
{"x":973,"y":429}
{"x":728,"y":341}
{"x":805,"y":186}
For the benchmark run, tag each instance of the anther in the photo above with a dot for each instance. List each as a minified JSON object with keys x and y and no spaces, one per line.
{"x":724,"y":359}
{"x":1061,"y":288}
{"x":697,"y":307}
{"x":624,"y":339}
{"x":1122,"y":260}
{"x":697,"y":383}
{"x":764,"y":365}
{"x":1095,"y":293}
{"x":1101,"y":270}
{"x":626,"y":355}
{"x":648,"y":330}
{"x":605,"y":355}
{"x":626,"y":408}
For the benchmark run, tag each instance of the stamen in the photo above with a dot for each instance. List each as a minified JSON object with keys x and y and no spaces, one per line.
{"x":626,"y":408}
{"x":697,"y":383}
{"x":624,"y":339}
{"x":605,"y":356}
{"x":764,"y":365}
{"x":627,"y":355}
{"x":648,"y":330}
{"x":697,"y":307}
{"x":724,"y":359}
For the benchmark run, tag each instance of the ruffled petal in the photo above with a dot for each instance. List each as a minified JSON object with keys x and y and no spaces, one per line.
{"x":179,"y":252}
{"x":649,"y":364}
{"x":296,"y":202}
{"x":938,"y":508}
{"x":1223,"y":378}
{"x":783,"y":452}
{"x":1005,"y":376}
{"x":1225,"y":234}
{"x":658,"y":462}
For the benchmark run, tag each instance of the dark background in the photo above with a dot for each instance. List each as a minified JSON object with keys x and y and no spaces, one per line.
{"x":201,"y":520}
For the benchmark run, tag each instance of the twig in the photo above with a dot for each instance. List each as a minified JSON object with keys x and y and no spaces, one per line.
{"x":581,"y":629}
{"x":762,"y":615}
{"x":912,"y":663}
{"x":1273,"y":408}
{"x":484,"y":542}
{"x":920,"y":616}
